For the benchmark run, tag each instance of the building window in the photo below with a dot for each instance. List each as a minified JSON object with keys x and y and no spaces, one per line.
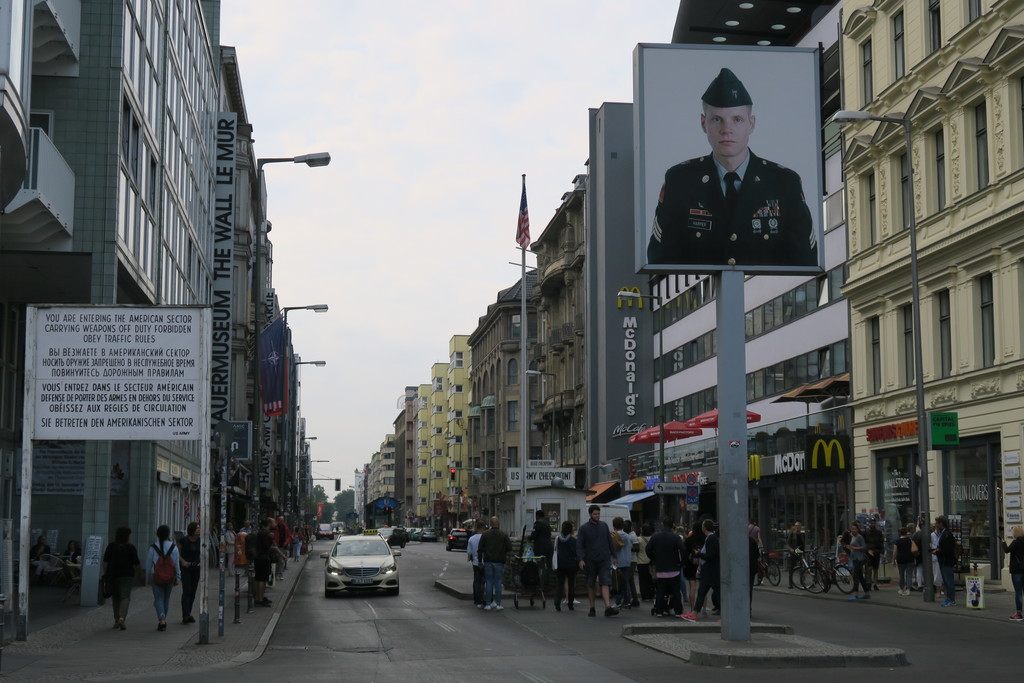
{"x":981,"y":144}
{"x":899,"y":55}
{"x":875,"y":344}
{"x":945,"y":335}
{"x":513,"y":416}
{"x":513,"y":326}
{"x":872,"y":211}
{"x":456,"y":359}
{"x":940,"y":171}
{"x":973,"y":9}
{"x":988,"y":321}
{"x":906,"y":201}
{"x":512,"y":378}
{"x":908,"y":346}
{"x":934,"y":25}
{"x":866,"y":80}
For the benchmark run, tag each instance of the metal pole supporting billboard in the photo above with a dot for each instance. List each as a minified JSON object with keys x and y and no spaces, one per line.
{"x":732,"y":457}
{"x":524,"y":392}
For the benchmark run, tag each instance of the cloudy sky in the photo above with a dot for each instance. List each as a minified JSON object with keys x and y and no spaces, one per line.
{"x":431,"y":112}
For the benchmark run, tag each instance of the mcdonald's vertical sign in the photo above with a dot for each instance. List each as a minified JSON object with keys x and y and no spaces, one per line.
{"x":754,"y":468}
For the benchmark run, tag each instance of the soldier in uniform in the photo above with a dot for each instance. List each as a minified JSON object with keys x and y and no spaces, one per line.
{"x":731,"y":208}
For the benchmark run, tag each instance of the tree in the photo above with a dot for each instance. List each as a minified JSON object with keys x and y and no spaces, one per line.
{"x":319,"y":495}
{"x":344,"y":502}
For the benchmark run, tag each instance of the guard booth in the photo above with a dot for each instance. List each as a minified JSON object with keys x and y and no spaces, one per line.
{"x":557,"y":502}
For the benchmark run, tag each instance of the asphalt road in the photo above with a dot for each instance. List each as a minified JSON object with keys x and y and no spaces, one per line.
{"x":424,"y":634}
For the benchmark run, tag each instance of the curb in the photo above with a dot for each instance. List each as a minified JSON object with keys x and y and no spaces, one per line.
{"x":268,"y":632}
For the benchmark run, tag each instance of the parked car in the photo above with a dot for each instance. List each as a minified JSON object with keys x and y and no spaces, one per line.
{"x":324,"y":531}
{"x":414,"y":534}
{"x":428,"y":535}
{"x":457,"y":539}
{"x":360,"y":564}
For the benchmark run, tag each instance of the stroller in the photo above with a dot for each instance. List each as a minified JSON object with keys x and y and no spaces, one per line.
{"x":527,"y":575}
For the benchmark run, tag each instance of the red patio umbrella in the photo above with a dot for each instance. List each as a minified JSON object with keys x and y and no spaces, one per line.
{"x":709,"y":420}
{"x":673,"y":430}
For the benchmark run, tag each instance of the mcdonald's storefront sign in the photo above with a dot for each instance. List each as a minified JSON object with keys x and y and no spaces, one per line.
{"x":824,"y":454}
{"x":628,"y":301}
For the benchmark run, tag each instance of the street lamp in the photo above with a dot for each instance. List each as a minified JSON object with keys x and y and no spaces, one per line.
{"x":318,"y":363}
{"x":847,"y":116}
{"x":561,"y":437}
{"x":316,"y":308}
{"x":660,"y":416}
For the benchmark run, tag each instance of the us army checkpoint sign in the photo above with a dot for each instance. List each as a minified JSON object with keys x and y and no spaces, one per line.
{"x":117,"y":373}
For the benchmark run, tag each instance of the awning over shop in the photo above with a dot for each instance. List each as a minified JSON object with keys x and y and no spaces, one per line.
{"x":599,"y":490}
{"x":631,"y":498}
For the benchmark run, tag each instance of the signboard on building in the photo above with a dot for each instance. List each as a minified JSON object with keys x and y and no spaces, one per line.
{"x":945,"y":430}
{"x":222,"y":268}
{"x":539,"y":476}
{"x":117,"y":373}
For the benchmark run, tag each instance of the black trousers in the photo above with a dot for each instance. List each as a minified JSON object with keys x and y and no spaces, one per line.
{"x":562,"y":575}
{"x":667,"y":595}
{"x":478,"y":584}
{"x":646,"y":579}
{"x":189,"y":585}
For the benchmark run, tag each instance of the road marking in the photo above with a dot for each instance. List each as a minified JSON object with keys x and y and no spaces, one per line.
{"x":446,"y":627}
{"x":371,"y":608}
{"x":534,"y":677}
{"x":409,"y":602}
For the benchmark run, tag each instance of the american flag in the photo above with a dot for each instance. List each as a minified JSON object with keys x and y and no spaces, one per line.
{"x":523,"y":229}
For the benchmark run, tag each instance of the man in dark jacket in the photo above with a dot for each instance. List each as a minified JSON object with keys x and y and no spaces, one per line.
{"x":597,"y":558}
{"x":494,"y":548}
{"x":710,"y":577}
{"x":667,"y":550}
{"x":875,"y":540}
{"x":541,"y":538}
{"x":945,"y":552}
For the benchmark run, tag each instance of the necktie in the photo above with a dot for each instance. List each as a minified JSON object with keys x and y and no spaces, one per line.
{"x":731,"y":178}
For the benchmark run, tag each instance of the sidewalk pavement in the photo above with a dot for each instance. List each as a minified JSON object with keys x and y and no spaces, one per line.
{"x":771,"y":645}
{"x":79,"y":647}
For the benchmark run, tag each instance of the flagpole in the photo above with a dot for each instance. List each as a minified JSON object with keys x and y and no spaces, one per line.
{"x":523,"y":238}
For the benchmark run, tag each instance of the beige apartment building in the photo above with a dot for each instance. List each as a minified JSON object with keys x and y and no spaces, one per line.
{"x":955,"y":70}
{"x":459,"y":503}
{"x":560,"y":298}
{"x":422,"y":454}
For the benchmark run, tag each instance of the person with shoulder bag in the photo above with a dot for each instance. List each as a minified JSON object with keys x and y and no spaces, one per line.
{"x":163,"y":573}
{"x":120,"y":564}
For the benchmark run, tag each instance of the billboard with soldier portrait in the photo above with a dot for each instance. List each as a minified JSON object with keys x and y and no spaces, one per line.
{"x":728,"y":165}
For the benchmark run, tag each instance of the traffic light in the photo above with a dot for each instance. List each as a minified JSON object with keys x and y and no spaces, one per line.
{"x":337,"y":484}
{"x":453,"y":471}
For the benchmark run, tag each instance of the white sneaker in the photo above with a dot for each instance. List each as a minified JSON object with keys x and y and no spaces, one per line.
{"x":498,"y":607}
{"x":489,"y":607}
{"x":576,"y":602}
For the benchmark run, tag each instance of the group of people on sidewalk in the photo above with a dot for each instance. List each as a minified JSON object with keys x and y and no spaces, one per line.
{"x":168,"y":564}
{"x":672,"y":567}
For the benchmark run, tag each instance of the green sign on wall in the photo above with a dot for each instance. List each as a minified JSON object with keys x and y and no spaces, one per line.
{"x":945,"y":430}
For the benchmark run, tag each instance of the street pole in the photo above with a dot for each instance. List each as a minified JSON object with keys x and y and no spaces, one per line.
{"x":524,"y":395}
{"x":660,"y":366}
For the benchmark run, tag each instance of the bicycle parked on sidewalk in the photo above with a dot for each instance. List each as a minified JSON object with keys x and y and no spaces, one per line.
{"x":768,"y":567}
{"x":823,"y":573}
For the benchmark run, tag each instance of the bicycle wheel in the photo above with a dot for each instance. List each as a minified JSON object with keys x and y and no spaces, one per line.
{"x":811,"y":580}
{"x":759,"y":577}
{"x":795,"y":575}
{"x":774,"y":574}
{"x":844,"y":579}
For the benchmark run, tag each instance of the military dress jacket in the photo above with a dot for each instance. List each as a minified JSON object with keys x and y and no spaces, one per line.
{"x":769,"y":225}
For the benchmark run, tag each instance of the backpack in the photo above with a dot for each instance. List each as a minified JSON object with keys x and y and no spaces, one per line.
{"x":617,"y":541}
{"x":163,"y":569}
{"x":250,"y":547}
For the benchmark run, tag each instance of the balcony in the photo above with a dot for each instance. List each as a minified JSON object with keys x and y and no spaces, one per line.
{"x":56,"y":37}
{"x":41,"y":215}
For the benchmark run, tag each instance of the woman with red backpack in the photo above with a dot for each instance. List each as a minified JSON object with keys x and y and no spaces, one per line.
{"x":162,"y":573}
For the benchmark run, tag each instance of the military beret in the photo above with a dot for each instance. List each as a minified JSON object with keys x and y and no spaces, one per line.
{"x":726,"y":91}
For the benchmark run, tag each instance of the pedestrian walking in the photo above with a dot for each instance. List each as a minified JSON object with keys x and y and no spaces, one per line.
{"x":495,"y":547}
{"x":945,"y":553}
{"x":120,"y":565}
{"x":857,"y":548}
{"x":904,"y":552}
{"x":874,"y":539}
{"x":694,"y":541}
{"x":644,"y":574}
{"x":667,"y":552}
{"x":627,"y":527}
{"x":163,"y":573}
{"x":709,"y":573}
{"x":796,"y":541}
{"x":597,"y":558}
{"x":189,"y":556}
{"x":263,"y":550}
{"x":568,"y":566}
{"x":473,"y":555}
{"x":623,"y":560}
{"x":1016,"y":552}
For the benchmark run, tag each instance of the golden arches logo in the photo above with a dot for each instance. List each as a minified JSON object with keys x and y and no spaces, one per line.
{"x":629,"y":299}
{"x":754,"y":468}
{"x":827,"y":447}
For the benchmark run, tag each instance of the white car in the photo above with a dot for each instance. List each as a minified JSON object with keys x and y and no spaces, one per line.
{"x":360,"y":564}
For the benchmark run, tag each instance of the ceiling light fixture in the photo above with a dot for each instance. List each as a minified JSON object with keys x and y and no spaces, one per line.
{"x":732,"y":22}
{"x":746,"y":5}
{"x":719,"y":39}
{"x":764,"y":42}
{"x":778,"y":27}
{"x":793,"y":10}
